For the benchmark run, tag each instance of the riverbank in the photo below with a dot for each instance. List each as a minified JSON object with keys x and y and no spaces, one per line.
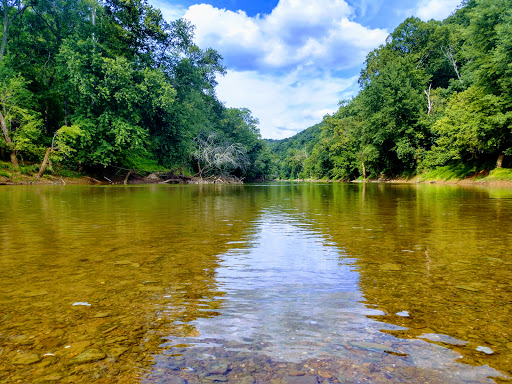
{"x":501,"y":177}
{"x":18,"y":178}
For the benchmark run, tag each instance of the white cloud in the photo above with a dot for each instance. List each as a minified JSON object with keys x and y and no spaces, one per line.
{"x":281,"y":65}
{"x":436,"y":9}
{"x":169,"y":13}
{"x":288,"y":104}
{"x":296,"y":33}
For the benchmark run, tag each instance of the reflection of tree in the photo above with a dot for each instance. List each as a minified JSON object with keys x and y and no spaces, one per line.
{"x":145,"y":258}
{"x":434,"y":251}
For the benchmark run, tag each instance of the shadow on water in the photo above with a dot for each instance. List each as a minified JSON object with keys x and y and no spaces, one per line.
{"x":278,"y":283}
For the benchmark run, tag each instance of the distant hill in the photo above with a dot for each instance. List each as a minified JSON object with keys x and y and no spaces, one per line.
{"x":290,"y":153}
{"x":306,"y":138}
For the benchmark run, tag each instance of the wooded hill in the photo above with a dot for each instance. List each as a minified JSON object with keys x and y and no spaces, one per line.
{"x":436,"y":94}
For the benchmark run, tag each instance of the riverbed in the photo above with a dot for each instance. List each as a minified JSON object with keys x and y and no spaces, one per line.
{"x":281,"y":283}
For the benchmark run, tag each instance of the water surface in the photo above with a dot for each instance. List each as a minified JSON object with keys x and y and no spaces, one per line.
{"x":276,"y":283}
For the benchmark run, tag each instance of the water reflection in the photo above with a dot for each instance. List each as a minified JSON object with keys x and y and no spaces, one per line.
{"x":440,"y":253}
{"x":282,"y":283}
{"x":293,"y":299}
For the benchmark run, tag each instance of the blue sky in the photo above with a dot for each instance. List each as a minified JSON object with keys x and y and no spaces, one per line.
{"x":291,"y":61}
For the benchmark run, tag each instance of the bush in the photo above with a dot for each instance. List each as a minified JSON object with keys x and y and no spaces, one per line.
{"x":29,"y":170}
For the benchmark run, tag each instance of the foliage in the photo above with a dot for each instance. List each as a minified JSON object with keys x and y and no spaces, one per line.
{"x":112,"y":84}
{"x":436,"y":97}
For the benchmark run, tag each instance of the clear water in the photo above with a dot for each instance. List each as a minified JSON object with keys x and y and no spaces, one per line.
{"x":276,"y":283}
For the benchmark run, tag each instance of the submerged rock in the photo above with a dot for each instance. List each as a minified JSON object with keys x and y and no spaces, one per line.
{"x":26,"y":359}
{"x":88,"y":356}
{"x":374,"y":346}
{"x":443,"y":339}
{"x":389,"y":267}
{"x":299,"y":380}
{"x":116,"y":352}
{"x":467,"y":288}
{"x":218,"y":369}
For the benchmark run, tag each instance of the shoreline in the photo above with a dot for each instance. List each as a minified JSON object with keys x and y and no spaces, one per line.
{"x":153,"y":178}
{"x":179,"y":179}
{"x":470,"y":181}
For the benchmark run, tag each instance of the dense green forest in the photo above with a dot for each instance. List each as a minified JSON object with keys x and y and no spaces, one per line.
{"x":436,"y":95}
{"x":105,"y":85}
{"x":111,"y":85}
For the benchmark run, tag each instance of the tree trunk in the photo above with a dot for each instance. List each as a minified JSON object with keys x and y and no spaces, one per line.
{"x":14,"y":160}
{"x":125,"y":182}
{"x":66,"y":121}
{"x":45,"y":162}
{"x":364,"y":171}
{"x":429,"y":100}
{"x":200,"y":170}
{"x":499,"y":163}
{"x":6,"y":29}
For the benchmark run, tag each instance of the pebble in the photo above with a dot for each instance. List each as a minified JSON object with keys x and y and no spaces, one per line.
{"x":81,"y":303}
{"x":486,"y":350}
{"x":218,"y":369}
{"x":215,"y":378}
{"x":324,"y":374}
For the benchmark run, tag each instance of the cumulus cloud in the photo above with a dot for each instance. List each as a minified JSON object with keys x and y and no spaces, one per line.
{"x":296,"y":33}
{"x":285,"y":104}
{"x":436,"y":9}
{"x":285,"y":66}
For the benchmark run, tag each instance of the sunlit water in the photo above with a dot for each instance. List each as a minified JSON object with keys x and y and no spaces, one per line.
{"x":278,"y":283}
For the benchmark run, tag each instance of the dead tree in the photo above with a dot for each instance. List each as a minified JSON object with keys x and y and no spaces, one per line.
{"x":448,"y":53}
{"x":216,"y":156}
{"x":429,"y":99}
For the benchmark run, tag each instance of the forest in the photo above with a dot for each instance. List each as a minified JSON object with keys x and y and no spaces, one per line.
{"x":437,"y":96}
{"x":111,"y":86}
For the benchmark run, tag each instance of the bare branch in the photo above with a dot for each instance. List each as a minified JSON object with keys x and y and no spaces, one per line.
{"x":448,"y":53}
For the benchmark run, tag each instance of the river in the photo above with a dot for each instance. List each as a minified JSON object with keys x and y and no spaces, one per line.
{"x":279,"y":283}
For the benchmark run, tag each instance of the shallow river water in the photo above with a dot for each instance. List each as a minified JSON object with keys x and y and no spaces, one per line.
{"x":279,"y":283}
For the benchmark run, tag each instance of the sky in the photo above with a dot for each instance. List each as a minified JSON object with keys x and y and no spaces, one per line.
{"x":292,"y":61}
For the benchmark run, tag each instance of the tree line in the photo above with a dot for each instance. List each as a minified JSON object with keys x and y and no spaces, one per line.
{"x":95,"y":84}
{"x":436,"y":94}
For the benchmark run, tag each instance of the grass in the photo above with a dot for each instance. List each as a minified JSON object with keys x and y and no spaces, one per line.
{"x":28,"y":171}
{"x":449,"y":172}
{"x":500,"y":174}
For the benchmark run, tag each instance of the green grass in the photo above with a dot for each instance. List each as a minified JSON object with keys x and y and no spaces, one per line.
{"x":500,"y":174}
{"x":6,"y":165}
{"x":448,"y":172}
{"x":29,"y":170}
